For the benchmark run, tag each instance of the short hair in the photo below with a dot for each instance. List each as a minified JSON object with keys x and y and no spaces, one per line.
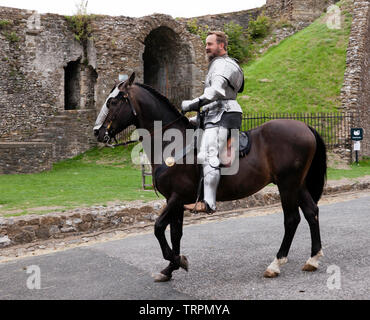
{"x":221,"y":37}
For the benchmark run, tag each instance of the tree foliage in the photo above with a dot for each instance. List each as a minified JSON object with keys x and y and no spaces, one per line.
{"x":200,"y":30}
{"x":260,"y":27}
{"x":240,"y":39}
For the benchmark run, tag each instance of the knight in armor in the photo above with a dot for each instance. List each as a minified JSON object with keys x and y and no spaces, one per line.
{"x":222,"y":112}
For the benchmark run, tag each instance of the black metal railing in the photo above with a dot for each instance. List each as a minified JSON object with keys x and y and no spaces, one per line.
{"x":334,"y":127}
{"x":125,"y":135}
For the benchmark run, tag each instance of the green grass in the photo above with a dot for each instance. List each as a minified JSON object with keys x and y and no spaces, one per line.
{"x":355,"y":171}
{"x":96,"y":177}
{"x":305,"y":72}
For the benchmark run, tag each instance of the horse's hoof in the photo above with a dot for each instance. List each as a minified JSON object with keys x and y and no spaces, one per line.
{"x":270,"y":274}
{"x":160,"y":277}
{"x":184,"y":263}
{"x":312,"y":263}
{"x":309,"y":267}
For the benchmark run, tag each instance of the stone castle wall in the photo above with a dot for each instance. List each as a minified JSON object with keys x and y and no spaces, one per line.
{"x":33,"y":67}
{"x":217,"y":21}
{"x":302,"y":13}
{"x":25,"y":157}
{"x":124,"y":45}
{"x":51,"y":86}
{"x":355,"y":93}
{"x":31,"y":81}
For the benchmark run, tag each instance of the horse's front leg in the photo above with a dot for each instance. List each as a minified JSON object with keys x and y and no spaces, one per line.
{"x":176,"y":235}
{"x":172,"y":214}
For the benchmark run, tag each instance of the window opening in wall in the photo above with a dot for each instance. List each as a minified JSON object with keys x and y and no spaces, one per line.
{"x":72,"y":90}
{"x":79,"y":87}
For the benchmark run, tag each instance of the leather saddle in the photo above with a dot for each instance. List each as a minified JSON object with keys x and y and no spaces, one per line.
{"x":227,"y":156}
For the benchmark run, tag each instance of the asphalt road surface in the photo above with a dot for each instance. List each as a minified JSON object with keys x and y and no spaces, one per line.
{"x":227,"y":260}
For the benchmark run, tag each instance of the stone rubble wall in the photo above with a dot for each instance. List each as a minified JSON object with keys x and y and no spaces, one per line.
{"x":32,"y":77}
{"x":217,"y":21}
{"x":25,"y":157}
{"x":73,"y":131}
{"x":301,"y":13}
{"x":355,"y":93}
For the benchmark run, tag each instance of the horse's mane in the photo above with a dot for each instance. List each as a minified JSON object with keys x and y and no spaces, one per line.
{"x":163,"y":99}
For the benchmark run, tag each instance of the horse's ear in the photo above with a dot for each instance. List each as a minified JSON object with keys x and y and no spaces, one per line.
{"x":124,"y":85}
{"x":132,"y":79}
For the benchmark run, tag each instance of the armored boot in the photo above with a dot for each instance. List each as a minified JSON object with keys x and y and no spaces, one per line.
{"x":213,"y":140}
{"x":211,"y":180}
{"x":199,"y":207}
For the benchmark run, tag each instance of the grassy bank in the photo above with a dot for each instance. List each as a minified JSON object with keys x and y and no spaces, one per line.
{"x":304,"y":73}
{"x":354,"y":171}
{"x":96,"y":177}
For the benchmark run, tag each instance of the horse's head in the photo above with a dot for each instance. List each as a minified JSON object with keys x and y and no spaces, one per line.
{"x":117,"y":112}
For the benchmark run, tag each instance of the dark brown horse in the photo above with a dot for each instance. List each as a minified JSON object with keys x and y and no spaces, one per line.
{"x":287,"y":153}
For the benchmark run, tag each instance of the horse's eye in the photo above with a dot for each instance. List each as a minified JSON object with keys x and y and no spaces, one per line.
{"x":112,"y":102}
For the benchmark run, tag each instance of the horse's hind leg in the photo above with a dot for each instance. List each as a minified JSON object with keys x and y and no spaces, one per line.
{"x":289,"y":201}
{"x":311,"y":213}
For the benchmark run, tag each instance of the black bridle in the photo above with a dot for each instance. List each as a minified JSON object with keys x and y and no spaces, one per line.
{"x":107,"y":138}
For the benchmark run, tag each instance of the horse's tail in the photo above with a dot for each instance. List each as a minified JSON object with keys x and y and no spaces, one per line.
{"x":316,"y":175}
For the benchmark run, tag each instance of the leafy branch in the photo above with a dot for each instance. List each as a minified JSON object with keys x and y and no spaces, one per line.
{"x":80,"y":23}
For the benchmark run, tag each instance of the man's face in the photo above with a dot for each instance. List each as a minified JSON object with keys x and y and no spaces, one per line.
{"x":213,"y":49}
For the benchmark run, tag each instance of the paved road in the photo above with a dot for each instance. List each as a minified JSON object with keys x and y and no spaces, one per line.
{"x":227,"y":260}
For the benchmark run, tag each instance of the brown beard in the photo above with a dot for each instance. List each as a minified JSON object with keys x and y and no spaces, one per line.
{"x":214,"y":55}
{"x":210,"y":58}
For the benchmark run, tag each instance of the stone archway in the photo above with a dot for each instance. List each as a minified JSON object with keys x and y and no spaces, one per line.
{"x":167,"y":65}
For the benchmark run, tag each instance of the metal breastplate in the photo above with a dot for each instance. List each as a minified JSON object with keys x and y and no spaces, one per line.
{"x":230,"y":70}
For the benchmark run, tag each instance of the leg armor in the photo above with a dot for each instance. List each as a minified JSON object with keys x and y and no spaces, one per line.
{"x":214,"y":139}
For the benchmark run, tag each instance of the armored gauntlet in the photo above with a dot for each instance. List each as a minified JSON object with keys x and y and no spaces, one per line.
{"x":190,"y":105}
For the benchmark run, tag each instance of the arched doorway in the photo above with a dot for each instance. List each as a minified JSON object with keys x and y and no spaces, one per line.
{"x":167,"y":64}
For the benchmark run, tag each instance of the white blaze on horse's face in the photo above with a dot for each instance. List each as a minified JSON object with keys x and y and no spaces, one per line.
{"x":104,"y":110}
